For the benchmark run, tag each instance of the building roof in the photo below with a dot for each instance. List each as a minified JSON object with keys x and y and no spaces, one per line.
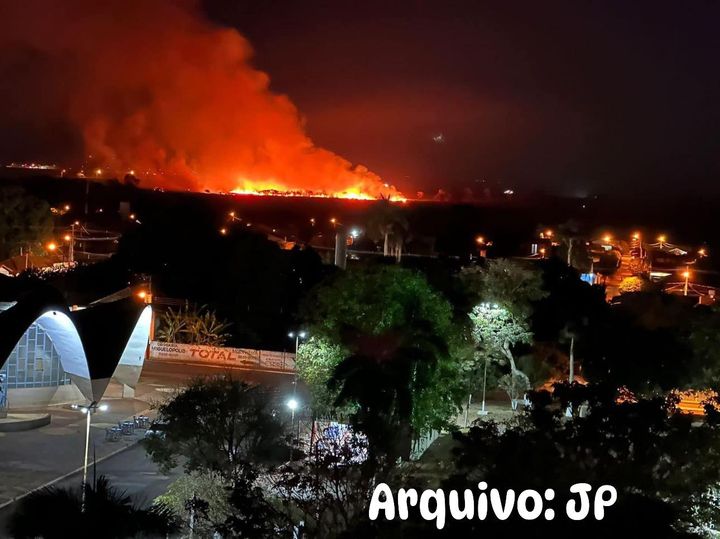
{"x":93,"y":343}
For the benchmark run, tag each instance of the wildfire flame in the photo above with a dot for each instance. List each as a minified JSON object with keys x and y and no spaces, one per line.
{"x":153,"y":86}
{"x":275,"y":188}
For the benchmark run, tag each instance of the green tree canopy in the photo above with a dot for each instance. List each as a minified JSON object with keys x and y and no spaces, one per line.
{"x":370,"y":312}
{"x":25,"y":221}
{"x":219,"y":425}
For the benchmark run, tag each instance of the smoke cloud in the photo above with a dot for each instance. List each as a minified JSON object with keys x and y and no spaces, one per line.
{"x":153,"y":87}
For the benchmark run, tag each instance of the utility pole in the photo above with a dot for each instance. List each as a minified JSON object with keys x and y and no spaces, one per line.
{"x":71,"y":249}
{"x":572,"y":359}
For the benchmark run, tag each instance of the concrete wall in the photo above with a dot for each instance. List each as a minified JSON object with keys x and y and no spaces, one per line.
{"x":40,"y":397}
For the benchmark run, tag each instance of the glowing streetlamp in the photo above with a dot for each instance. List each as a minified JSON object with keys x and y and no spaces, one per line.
{"x":293,"y":403}
{"x":686,"y":275}
{"x":607,"y":238}
{"x":52,"y":246}
{"x":661,"y":240}
{"x":223,"y":231}
{"x":88,"y":410}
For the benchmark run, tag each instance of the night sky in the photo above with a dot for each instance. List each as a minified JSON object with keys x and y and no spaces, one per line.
{"x":571,"y":97}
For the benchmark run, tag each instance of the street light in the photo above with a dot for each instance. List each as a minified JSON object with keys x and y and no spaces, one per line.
{"x":293,"y":403}
{"x":686,"y":274}
{"x":52,"y":246}
{"x":88,"y":410}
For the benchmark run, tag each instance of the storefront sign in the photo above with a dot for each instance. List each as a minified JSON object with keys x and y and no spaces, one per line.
{"x":216,"y":355}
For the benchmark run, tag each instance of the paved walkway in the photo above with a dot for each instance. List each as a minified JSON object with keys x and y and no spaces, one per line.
{"x":32,"y":458}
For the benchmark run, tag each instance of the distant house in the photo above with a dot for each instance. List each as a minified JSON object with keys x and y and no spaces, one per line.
{"x":14,"y":266}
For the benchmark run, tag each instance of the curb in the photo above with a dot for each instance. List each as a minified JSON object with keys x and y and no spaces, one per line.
{"x":73,"y":472}
{"x":64,"y":476}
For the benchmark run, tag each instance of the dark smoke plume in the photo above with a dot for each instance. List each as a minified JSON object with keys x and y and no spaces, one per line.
{"x":153,"y":87}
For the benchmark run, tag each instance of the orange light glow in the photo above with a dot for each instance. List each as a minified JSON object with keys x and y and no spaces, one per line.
{"x":607,"y":238}
{"x":662,"y":239}
{"x":702,"y":252}
{"x":223,"y":231}
{"x":142,"y":294}
{"x":480,"y":240}
{"x":636,"y":236}
{"x":686,"y":274}
{"x":368,"y":191}
{"x":67,"y":237}
{"x":51,"y":246}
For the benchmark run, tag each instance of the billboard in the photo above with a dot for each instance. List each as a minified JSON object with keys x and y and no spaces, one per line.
{"x":223,"y":356}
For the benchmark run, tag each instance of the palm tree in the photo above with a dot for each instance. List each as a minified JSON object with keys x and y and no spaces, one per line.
{"x":57,"y":513}
{"x":172,"y":324}
{"x":381,"y":376}
{"x":387,"y":223}
{"x":193,"y":326}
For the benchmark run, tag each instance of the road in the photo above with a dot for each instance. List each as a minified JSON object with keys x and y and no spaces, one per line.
{"x":130,"y":471}
{"x":33,"y":458}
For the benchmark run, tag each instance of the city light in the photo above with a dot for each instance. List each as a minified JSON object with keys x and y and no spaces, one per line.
{"x":686,"y":274}
{"x":142,"y":294}
{"x":480,"y":240}
{"x":355,"y":232}
{"x":292,"y":404}
{"x":52,"y":246}
{"x":223,"y":231}
{"x":67,"y":237}
{"x":636,"y":236}
{"x":607,"y":238}
{"x":662,"y":238}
